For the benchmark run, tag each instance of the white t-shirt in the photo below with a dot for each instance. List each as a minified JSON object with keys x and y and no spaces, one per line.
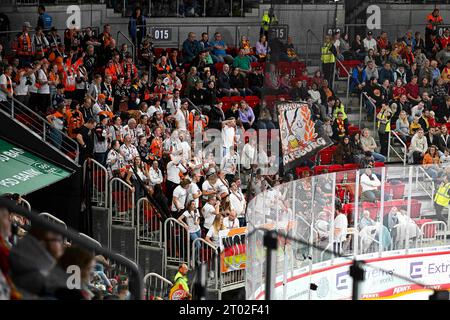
{"x":209,"y":213}
{"x":21,"y":89}
{"x":45,"y":88}
{"x":231,"y":224}
{"x":32,"y":88}
{"x":193,"y":189}
{"x":180,"y":120}
{"x":248,"y":156}
{"x":370,"y":44}
{"x":186,"y":147}
{"x":190,"y":218}
{"x":180,"y":193}
{"x":173,"y":172}
{"x":214,"y":237}
{"x":237,"y":203}
{"x":228,"y":134}
{"x":229,"y":163}
{"x":206,"y":186}
{"x":4,"y":81}
{"x":152,"y":110}
{"x":340,"y":222}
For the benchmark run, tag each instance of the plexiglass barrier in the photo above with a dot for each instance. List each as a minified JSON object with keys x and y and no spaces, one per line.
{"x":386,"y":217}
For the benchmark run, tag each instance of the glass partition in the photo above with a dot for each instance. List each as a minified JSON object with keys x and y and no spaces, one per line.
{"x":326,"y":221}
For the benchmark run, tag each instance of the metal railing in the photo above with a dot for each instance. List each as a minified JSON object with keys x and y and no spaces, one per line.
{"x":98,"y":181}
{"x":404,"y":157}
{"x":121,"y":202}
{"x":133,"y":45}
{"x":347,"y":93}
{"x":82,"y":235}
{"x":148,"y":223}
{"x":52,"y":219}
{"x":156,"y":286}
{"x":429,"y":189}
{"x":41,"y":128}
{"x":176,"y":244}
{"x":361,"y":103}
{"x":119,"y":261}
{"x":309,"y":33}
{"x":202,"y":252}
{"x":433,"y":234}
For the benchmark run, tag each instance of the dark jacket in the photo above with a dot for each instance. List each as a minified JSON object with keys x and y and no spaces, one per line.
{"x":133,"y":24}
{"x":344,"y":153}
{"x":191,"y":49}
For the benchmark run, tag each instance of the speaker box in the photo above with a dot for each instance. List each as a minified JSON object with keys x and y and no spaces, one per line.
{"x":150,"y":259}
{"x":100,"y":225}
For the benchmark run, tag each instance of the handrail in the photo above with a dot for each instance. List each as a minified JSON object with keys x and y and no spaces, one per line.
{"x":52,"y":218}
{"x":374,"y":110}
{"x":422,"y":228}
{"x":395,"y":151}
{"x":214,"y":248}
{"x":90,"y":239}
{"x":193,"y":104}
{"x":41,"y":222}
{"x":152,"y":274}
{"x":34,"y":127}
{"x":348,"y":79}
{"x":133,"y":46}
{"x":431,"y":195}
{"x":181,"y":256}
{"x":308,"y":32}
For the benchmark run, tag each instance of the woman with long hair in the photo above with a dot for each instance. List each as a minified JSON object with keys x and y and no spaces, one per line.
{"x":262,"y":48}
{"x":344,"y":152}
{"x":431,"y":161}
{"x":402,"y":126}
{"x":399,"y":89}
{"x":213,"y":234}
{"x":137,"y":172}
{"x":192,"y":224}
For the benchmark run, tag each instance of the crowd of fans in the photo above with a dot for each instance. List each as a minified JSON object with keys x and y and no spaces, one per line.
{"x":137,"y":116}
{"x":404,"y":83}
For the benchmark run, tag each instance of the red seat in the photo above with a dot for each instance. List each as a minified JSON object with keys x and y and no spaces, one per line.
{"x":158,"y":52}
{"x":299,"y":171}
{"x":252,"y":101}
{"x":236,"y":99}
{"x":255,"y":64}
{"x":429,"y":231}
{"x":326,"y":156}
{"x":284,"y":96}
{"x":335,"y":168}
{"x":219,"y":66}
{"x":372,"y":208}
{"x":397,"y":190}
{"x":379,"y":164}
{"x":320,"y":169}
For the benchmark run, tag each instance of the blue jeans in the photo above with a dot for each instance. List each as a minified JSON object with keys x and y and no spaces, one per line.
{"x":378,"y":157}
{"x":195,"y":235}
{"x":56,"y":137}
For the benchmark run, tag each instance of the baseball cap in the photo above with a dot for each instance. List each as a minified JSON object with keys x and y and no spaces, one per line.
{"x":369,"y":33}
{"x":27,"y":24}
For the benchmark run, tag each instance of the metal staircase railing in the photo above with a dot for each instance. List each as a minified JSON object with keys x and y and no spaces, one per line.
{"x":41,"y":128}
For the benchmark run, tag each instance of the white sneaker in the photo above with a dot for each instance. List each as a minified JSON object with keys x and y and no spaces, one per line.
{"x":211,"y":274}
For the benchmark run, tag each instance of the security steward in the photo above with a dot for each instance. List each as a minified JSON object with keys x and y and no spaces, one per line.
{"x":442,"y":198}
{"x":180,"y":288}
{"x":328,"y":58}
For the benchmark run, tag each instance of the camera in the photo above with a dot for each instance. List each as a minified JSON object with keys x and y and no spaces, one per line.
{"x":28,"y":82}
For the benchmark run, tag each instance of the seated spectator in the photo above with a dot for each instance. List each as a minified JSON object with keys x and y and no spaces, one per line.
{"x":300,"y":91}
{"x":317,"y":79}
{"x":327,"y":127}
{"x":402,"y":126}
{"x":325,"y":91}
{"x":358,"y":79}
{"x":220,"y":49}
{"x":340,"y":127}
{"x":237,"y":82}
{"x":248,"y":50}
{"x":358,"y":49}
{"x":198,"y":94}
{"x":400,"y":73}
{"x":371,"y":70}
{"x":224,"y":83}
{"x":369,"y":145}
{"x":242,"y":61}
{"x":314,"y":94}
{"x":262,"y":48}
{"x":431,"y":162}
{"x":369,"y":185}
{"x":272,"y":82}
{"x":399,"y":89}
{"x":191,"y":47}
{"x":256,"y":81}
{"x":418,"y":147}
{"x":285,"y":84}
{"x":412,"y":90}
{"x":344,"y":152}
{"x":386,"y":73}
{"x":265,"y":121}
{"x":370,"y":57}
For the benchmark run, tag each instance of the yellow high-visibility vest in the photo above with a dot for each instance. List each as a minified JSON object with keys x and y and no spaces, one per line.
{"x":441,"y":198}
{"x":388,"y":123}
{"x":266,"y":21}
{"x":327,"y":55}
